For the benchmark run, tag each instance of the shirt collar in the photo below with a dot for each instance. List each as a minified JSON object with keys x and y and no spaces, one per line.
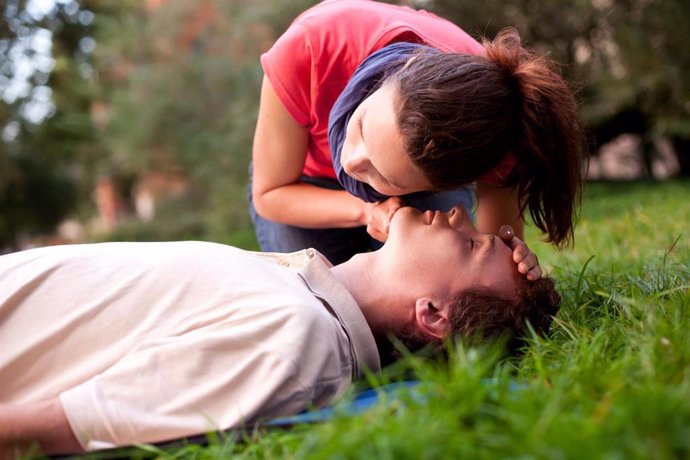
{"x":317,"y":275}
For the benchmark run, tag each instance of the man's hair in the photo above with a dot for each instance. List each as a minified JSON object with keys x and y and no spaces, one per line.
{"x":480,"y":313}
{"x":461,"y":114}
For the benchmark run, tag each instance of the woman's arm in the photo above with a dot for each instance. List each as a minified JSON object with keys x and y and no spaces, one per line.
{"x":498,"y":206}
{"x":279,"y":152}
{"x":43,"y":422}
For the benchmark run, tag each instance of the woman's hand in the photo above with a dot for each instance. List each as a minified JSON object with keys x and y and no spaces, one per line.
{"x":525,"y":259}
{"x":378,"y":217}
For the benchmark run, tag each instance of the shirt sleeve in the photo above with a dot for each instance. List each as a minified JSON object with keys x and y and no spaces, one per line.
{"x":288,"y":67}
{"x":169,"y":388}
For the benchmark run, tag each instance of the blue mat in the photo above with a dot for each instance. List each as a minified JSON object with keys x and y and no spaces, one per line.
{"x":359,"y":404}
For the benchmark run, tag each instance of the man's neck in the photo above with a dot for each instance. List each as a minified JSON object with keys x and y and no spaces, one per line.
{"x":380,"y":296}
{"x":357,"y":275}
{"x":382,"y":304}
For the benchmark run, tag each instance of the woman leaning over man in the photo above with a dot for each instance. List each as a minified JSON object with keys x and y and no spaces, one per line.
{"x":366,"y":107}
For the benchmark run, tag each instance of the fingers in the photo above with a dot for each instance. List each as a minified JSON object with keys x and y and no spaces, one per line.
{"x":530,"y":267}
{"x":506,"y":232}
{"x":392,"y":205}
{"x":520,"y":250}
{"x":526,"y":260}
{"x":380,"y":216}
{"x":534,"y":274}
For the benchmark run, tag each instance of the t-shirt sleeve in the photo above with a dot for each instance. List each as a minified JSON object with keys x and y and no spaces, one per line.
{"x":169,"y":388}
{"x":288,"y":67}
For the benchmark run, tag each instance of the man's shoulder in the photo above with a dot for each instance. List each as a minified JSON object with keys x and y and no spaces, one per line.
{"x":296,"y":259}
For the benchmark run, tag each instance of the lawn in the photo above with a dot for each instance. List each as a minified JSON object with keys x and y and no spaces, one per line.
{"x":612,"y":380}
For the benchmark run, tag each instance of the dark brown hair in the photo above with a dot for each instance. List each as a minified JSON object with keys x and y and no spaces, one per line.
{"x":460,"y":115}
{"x":481,"y":313}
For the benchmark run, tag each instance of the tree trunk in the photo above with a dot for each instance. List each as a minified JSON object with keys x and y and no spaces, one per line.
{"x":681,"y":147}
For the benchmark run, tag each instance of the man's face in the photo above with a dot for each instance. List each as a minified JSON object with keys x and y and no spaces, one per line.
{"x":374,"y":152}
{"x":446,"y":253}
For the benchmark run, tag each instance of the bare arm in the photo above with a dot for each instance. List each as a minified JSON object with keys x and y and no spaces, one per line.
{"x":497,"y":207}
{"x":43,"y":422}
{"x":279,"y":152}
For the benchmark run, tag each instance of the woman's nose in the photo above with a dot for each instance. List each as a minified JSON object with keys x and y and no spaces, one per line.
{"x":356,"y":161}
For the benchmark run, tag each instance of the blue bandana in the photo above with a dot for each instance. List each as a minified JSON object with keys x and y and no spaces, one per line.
{"x":364,"y":81}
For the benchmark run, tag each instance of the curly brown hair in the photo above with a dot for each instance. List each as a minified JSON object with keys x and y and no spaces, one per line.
{"x":481,"y":313}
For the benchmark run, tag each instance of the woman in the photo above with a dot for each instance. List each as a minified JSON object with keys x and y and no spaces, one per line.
{"x":368,"y":106}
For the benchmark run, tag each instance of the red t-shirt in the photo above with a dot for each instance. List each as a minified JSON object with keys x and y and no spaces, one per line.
{"x":310,"y":64}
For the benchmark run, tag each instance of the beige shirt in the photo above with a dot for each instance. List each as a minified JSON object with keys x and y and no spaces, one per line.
{"x":145,"y":342}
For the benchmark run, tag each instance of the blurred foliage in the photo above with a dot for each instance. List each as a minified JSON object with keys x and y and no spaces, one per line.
{"x":44,"y":162}
{"x":182,"y":89}
{"x":174,"y":86}
{"x":626,"y":58}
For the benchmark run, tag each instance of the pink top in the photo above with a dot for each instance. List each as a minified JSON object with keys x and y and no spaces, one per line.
{"x":310,"y":64}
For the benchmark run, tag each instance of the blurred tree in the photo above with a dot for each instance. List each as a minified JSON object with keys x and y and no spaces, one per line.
{"x":184,"y":87}
{"x":654,"y":60}
{"x":553,"y":26}
{"x":47,"y":139}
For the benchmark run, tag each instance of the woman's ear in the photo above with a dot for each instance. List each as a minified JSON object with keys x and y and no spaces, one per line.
{"x":431,"y":316}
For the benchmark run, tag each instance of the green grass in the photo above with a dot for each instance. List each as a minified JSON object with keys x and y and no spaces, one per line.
{"x":612,"y":381}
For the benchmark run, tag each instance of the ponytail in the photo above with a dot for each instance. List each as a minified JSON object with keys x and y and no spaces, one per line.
{"x":461,"y":114}
{"x":547,"y":174}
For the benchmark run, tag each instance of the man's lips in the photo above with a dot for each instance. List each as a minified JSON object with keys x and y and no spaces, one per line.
{"x":430,"y":216}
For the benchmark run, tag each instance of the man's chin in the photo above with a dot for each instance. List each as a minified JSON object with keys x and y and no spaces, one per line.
{"x":405,"y":218}
{"x":406,"y":212}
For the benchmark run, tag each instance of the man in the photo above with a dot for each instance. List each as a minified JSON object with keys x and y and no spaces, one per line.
{"x":120,"y":343}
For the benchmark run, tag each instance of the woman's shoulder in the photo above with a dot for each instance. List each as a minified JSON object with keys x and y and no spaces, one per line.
{"x":367,"y":25}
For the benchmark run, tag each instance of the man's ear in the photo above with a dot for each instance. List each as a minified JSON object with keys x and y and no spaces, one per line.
{"x":432,"y":317}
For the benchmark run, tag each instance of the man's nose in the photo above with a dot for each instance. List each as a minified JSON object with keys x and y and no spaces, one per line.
{"x":460,"y":217}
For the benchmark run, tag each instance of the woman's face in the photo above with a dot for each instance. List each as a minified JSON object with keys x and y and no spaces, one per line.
{"x":374,"y":152}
